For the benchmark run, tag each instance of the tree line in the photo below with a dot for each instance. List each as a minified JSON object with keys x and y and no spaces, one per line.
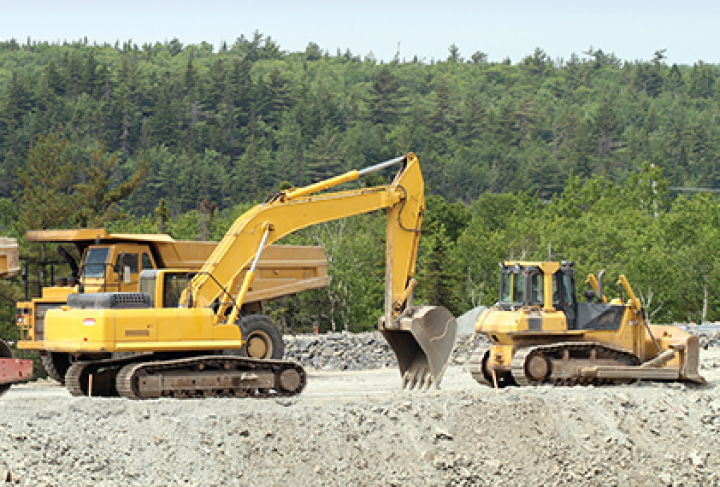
{"x":230,"y":124}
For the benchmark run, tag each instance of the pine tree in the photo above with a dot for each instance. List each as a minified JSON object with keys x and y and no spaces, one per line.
{"x":97,"y":198}
{"x":46,"y":200}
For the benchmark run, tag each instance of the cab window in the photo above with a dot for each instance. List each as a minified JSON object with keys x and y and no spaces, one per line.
{"x":569,"y":291}
{"x":147,"y":262}
{"x":130,"y":260}
{"x":537,"y":291}
{"x":95,"y":261}
{"x":513,"y":289}
{"x":173,"y":286}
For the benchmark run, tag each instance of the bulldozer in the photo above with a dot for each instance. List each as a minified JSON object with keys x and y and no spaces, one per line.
{"x":540,"y":334}
{"x":12,"y":370}
{"x":183,"y":348}
{"x":114,"y":261}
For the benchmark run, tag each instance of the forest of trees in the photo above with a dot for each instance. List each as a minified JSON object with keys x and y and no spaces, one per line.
{"x":579,"y":157}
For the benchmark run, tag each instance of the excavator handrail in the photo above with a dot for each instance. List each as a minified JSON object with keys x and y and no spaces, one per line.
{"x":298,"y":208}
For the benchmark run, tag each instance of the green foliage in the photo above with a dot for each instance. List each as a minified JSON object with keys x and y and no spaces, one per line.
{"x":46,"y":199}
{"x":574,"y":157}
{"x":230,"y":125}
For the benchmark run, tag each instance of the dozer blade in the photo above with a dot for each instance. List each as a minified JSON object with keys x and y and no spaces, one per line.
{"x":656,"y":369}
{"x":423,"y":339}
{"x":691,"y":360}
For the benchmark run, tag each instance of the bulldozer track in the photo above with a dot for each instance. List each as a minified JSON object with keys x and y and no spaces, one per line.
{"x":196,"y":377}
{"x":528,"y":360}
{"x":475,"y":365}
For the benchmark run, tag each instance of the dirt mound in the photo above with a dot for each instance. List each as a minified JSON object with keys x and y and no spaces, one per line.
{"x":359,"y":428}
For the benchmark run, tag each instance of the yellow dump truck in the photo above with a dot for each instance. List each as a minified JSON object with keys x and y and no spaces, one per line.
{"x":103,"y":262}
{"x":9,"y":257}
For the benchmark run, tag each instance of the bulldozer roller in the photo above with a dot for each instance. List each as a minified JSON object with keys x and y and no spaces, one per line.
{"x":422,"y":338}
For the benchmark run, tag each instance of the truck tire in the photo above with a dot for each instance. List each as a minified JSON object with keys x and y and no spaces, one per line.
{"x":262,"y":338}
{"x":55,"y":364}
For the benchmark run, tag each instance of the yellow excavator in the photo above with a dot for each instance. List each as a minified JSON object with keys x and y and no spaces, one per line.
{"x":182,"y":351}
{"x":540,"y":333}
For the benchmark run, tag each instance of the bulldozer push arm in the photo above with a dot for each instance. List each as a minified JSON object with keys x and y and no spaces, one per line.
{"x":421,"y":337}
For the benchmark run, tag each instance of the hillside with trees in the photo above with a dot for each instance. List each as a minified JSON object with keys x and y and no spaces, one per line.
{"x":577,"y":158}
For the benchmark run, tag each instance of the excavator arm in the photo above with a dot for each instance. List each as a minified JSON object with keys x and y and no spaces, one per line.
{"x":422,"y":337}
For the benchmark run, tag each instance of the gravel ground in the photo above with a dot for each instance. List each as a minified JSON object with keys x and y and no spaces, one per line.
{"x":356,"y":427}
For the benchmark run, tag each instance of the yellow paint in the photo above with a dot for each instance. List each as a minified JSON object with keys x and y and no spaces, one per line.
{"x":196,"y":326}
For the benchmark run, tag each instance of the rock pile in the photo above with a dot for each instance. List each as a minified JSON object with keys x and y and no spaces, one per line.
{"x":709,"y":339}
{"x":362,"y":351}
{"x":340,"y":351}
{"x":367,"y":351}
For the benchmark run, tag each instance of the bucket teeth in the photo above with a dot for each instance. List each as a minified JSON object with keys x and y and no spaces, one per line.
{"x":428,"y":381}
{"x":418,"y":377}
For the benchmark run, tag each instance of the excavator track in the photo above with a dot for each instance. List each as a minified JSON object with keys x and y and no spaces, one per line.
{"x":560,"y":364}
{"x":207,"y":376}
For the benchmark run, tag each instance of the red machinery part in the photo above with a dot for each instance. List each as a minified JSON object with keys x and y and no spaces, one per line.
{"x":15,"y":370}
{"x":12,"y":370}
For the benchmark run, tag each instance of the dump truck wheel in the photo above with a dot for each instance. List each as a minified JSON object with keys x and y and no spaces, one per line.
{"x":56,"y":365}
{"x":262,"y":338}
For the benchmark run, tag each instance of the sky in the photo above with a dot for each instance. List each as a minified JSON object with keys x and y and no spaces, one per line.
{"x":631,"y":29}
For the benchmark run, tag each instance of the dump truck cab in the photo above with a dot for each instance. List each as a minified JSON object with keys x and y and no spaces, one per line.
{"x":114,"y":267}
{"x":103,"y":262}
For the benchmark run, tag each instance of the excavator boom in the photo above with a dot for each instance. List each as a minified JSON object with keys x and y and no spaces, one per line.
{"x":422,"y":337}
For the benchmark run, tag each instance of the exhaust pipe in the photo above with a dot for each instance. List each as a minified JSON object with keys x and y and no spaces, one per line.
{"x":423,"y":338}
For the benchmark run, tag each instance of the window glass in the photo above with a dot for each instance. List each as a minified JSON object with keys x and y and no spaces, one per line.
{"x":173,"y":286}
{"x":567,"y":284}
{"x":537,"y":294}
{"x":95,"y":261}
{"x":130,"y":260}
{"x":513,"y":289}
{"x":147,"y":262}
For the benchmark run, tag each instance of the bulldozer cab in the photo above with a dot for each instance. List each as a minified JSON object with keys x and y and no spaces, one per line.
{"x":548,"y":286}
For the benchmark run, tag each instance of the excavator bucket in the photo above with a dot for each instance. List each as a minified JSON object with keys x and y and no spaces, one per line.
{"x":423,"y":339}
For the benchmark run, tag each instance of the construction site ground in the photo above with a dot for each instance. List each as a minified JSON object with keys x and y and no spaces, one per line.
{"x":359,"y":428}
